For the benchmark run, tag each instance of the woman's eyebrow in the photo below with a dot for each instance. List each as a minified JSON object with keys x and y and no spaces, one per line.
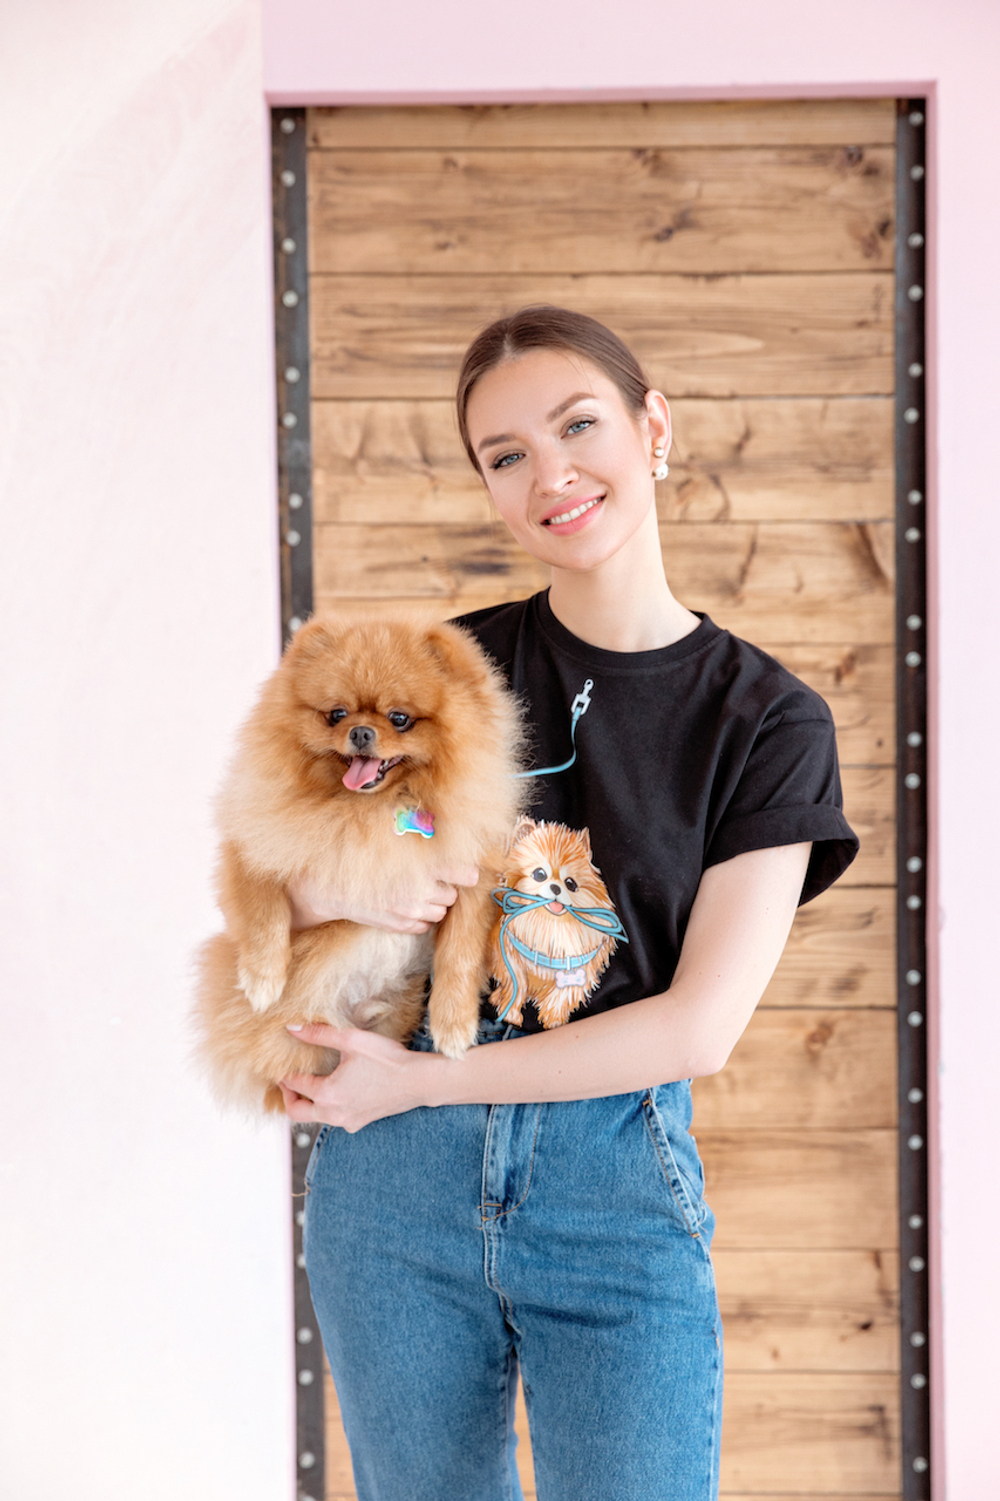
{"x":563,"y":406}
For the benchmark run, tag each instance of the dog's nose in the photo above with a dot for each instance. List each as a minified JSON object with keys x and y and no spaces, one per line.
{"x":362,"y":738}
{"x":555,"y":888}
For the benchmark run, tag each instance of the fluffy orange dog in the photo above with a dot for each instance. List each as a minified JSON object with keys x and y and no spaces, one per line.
{"x":377,"y":749}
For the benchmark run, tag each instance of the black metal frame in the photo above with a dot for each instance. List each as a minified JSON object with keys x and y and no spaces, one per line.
{"x":291,"y":329}
{"x":911,"y":790}
{"x":291,"y":286}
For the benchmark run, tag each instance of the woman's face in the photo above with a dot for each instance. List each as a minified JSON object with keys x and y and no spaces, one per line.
{"x":568,"y":467}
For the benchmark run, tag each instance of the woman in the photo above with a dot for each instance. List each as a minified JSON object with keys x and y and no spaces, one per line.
{"x":538,"y":1205}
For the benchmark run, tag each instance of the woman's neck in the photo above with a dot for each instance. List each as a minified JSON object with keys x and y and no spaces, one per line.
{"x":625,"y":605}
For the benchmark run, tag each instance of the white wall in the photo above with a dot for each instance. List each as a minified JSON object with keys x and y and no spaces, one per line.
{"x":145,"y":1286}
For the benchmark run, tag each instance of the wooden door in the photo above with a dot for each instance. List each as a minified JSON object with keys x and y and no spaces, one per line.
{"x":745,"y":251}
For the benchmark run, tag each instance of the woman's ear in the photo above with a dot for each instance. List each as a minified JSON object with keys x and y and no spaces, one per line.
{"x":658,"y":419}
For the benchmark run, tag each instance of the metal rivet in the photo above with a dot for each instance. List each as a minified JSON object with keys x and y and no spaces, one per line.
{"x":913,"y":659}
{"x":918,"y":1339}
{"x":289,"y":420}
{"x":911,"y":415}
{"x":290,"y":298}
{"x":305,"y":1378}
{"x":915,"y":1019}
{"x":911,"y":780}
{"x":303,"y":1139}
{"x":307,"y":1460}
{"x":916,"y":1263}
{"x":288,"y":124}
{"x":915,"y":294}
{"x":912,"y":534}
{"x":293,"y":538}
{"x":915,"y":240}
{"x":920,"y":1464}
{"x":917,"y":172}
{"x":914,"y":622}
{"x":291,"y":374}
{"x":304,"y":1335}
{"x":289,"y":246}
{"x":916,"y":117}
{"x":913,"y":864}
{"x":300,"y":1214}
{"x":914,"y":738}
{"x":914,"y":903}
{"x":288,"y":178}
{"x":915,"y":371}
{"x":913,"y":977}
{"x":915,"y":1096}
{"x":916,"y":1222}
{"x":295,"y":624}
{"x":915,"y":1143}
{"x":918,"y":1380}
{"x":300,"y":1261}
{"x":915,"y":497}
{"x":295,"y":501}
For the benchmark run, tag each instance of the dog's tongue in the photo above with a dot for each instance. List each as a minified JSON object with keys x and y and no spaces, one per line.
{"x":362,"y":770}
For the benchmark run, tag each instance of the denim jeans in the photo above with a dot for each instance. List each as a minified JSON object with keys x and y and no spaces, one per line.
{"x":450,"y":1248}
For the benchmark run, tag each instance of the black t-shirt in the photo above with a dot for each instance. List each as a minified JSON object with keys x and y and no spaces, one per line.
{"x":684,"y":757}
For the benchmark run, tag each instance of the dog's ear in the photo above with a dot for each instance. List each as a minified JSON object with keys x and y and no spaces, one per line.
{"x":523,"y":828}
{"x":585,"y":841}
{"x":314,"y":638}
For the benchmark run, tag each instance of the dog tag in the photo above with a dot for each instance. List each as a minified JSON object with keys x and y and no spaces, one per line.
{"x":415,"y":821}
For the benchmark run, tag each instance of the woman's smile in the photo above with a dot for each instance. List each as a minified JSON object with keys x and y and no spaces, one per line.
{"x":571,"y":519}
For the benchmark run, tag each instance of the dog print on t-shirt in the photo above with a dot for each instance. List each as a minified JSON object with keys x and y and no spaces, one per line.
{"x":556,"y":927}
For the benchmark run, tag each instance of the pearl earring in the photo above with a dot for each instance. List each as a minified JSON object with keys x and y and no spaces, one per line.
{"x":662,"y":470}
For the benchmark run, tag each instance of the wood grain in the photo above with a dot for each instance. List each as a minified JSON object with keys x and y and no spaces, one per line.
{"x":858,"y":684}
{"x":870,"y":809}
{"x":768,"y":335}
{"x":805,"y":1069}
{"x":738,"y":122}
{"x":809,"y":1310}
{"x":815,"y":1190}
{"x":841,"y":952}
{"x":703,"y":210}
{"x":797,"y":459}
{"x":837,"y":1432}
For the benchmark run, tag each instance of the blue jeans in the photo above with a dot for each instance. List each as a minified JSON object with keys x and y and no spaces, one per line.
{"x":449,"y":1248}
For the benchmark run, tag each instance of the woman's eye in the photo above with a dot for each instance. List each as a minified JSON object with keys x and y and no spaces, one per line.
{"x":570,"y":884}
{"x":335,"y":716}
{"x":580,"y":424}
{"x":539,"y":874}
{"x":505,"y":461}
{"x":399,"y":720}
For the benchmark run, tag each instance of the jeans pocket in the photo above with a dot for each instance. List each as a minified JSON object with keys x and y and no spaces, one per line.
{"x":321,"y":1136}
{"x":685,"y":1194}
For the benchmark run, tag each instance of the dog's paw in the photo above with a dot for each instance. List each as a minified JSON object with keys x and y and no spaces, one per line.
{"x":260,"y":990}
{"x":454,"y":1039}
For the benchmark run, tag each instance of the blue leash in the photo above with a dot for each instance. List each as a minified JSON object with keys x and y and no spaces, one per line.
{"x":578,"y":709}
{"x":512,"y":903}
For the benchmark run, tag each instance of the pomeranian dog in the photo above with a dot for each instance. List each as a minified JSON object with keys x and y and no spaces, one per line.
{"x":556,"y":928}
{"x":378,"y":749}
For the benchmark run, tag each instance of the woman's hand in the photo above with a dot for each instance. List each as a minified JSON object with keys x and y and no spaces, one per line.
{"x":312,"y":904}
{"x":375,"y":1077}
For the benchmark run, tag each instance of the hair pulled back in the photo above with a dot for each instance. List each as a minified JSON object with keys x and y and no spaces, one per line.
{"x":546,"y":327}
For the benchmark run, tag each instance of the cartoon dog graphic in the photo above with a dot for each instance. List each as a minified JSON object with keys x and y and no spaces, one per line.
{"x":556,"y":928}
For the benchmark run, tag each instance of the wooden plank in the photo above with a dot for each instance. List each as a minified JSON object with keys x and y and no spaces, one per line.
{"x":788,"y":582}
{"x":841,"y":952}
{"x":738,"y":122}
{"x":647,"y":210}
{"x":788,"y":1190}
{"x":870,"y":809}
{"x":858,"y":684}
{"x":812,"y":1434}
{"x":805,"y":1069}
{"x":808,"y":459}
{"x":809,"y":1310}
{"x":808,"y":335}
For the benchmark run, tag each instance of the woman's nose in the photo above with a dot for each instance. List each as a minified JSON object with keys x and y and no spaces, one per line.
{"x":553,"y":472}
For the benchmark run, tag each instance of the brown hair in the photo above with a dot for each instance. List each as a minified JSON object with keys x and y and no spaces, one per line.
{"x":546,"y":327}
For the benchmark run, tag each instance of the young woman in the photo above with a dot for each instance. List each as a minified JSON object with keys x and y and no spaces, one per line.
{"x":538,"y":1205}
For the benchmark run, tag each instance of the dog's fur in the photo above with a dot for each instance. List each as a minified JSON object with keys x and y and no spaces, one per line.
{"x":559,"y":854}
{"x":286,"y":812}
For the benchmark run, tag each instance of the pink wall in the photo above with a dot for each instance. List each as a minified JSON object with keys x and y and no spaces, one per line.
{"x":443,"y":51}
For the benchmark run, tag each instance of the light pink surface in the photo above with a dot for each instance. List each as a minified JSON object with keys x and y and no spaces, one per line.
{"x":146,"y":1313}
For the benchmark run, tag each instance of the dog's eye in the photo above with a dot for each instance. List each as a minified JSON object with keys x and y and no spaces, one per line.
{"x":570,"y":884}
{"x":539,"y":874}
{"x":335,"y":716}
{"x":399,"y":720}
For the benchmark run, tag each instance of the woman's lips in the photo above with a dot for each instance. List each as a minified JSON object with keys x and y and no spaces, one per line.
{"x":573,"y":517}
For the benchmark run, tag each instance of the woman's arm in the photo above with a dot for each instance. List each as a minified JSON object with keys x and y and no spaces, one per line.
{"x":738,"y":927}
{"x":312,"y":904}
